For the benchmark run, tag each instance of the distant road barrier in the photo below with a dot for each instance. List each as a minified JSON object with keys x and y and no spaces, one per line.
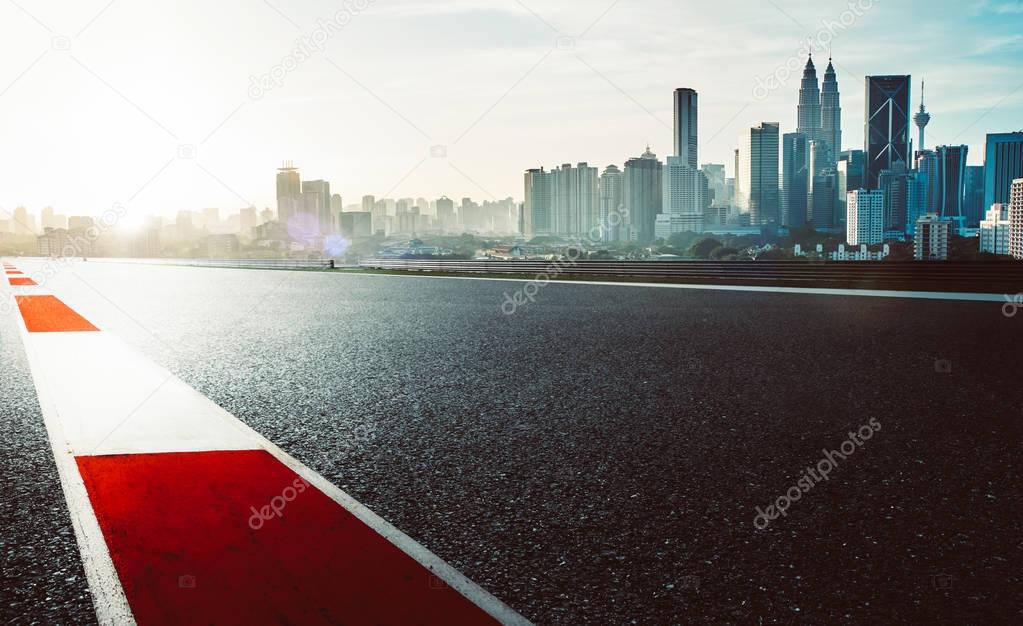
{"x":995,"y":277}
{"x":291,"y":264}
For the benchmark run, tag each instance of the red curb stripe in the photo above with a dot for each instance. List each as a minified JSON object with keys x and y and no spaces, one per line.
{"x":47,"y":314}
{"x":23,"y":281}
{"x":178,"y":529}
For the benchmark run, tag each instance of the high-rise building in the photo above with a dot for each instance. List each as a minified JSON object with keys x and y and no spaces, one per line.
{"x":928,"y":167}
{"x":850,"y":175}
{"x":856,"y":168}
{"x":973,"y":195}
{"x":738,"y":201}
{"x":931,"y":238}
{"x":643,"y":195}
{"x":368,"y":202}
{"x":794,"y":178}
{"x":894,"y":186}
{"x":758,"y":173}
{"x":1016,"y":219}
{"x":952,"y":162}
{"x":354,"y":224}
{"x":686,"y":125}
{"x":612,"y":199}
{"x":446,"y":213}
{"x":317,"y":202}
{"x":716,"y":180}
{"x":922,"y":119}
{"x":1003,"y":164}
{"x":574,"y":205}
{"x":289,"y":191}
{"x":831,"y":112}
{"x":686,"y":196}
{"x":536,"y":207}
{"x":995,"y":231}
{"x":823,"y":201}
{"x":808,"y":113}
{"x":822,"y":186}
{"x":865,"y":217}
{"x":886,"y":127}
{"x":247,"y":222}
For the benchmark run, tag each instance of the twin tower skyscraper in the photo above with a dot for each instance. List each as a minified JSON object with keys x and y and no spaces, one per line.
{"x":820,"y":109}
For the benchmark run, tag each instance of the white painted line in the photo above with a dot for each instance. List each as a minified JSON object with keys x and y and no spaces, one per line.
{"x":866,"y":293}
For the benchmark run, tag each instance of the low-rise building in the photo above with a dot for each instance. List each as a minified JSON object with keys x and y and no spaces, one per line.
{"x":994,"y":231}
{"x":931,"y":238}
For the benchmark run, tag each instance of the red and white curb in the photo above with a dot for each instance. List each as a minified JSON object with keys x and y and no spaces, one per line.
{"x":185,"y":515}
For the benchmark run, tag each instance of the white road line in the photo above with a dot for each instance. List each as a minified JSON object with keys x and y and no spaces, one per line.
{"x":820,"y":291}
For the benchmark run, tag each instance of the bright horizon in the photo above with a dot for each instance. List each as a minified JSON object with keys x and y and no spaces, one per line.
{"x":102,"y":102}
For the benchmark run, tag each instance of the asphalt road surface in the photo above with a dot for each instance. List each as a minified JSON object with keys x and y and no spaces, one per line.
{"x":598,"y":456}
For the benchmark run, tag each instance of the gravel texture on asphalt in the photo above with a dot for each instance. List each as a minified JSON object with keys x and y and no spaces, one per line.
{"x":41,"y":576}
{"x":597,"y":457}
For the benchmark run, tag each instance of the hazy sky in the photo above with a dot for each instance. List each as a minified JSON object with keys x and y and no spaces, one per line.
{"x":101,"y":102}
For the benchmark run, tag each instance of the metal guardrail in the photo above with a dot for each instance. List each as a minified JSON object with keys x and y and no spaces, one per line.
{"x":233,"y":263}
{"x":994,"y":277}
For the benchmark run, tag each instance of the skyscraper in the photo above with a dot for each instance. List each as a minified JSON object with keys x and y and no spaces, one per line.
{"x":686,"y":125}
{"x":952,"y":163}
{"x":317,"y":195}
{"x":758,"y":174}
{"x":855,"y":168}
{"x":886,"y":126}
{"x":643,"y":195}
{"x":289,"y":191}
{"x":894,"y":186}
{"x":921,"y":119}
{"x":808,"y":112}
{"x":973,"y":195}
{"x":1003,"y":165}
{"x":611,"y":201}
{"x":831,"y":112}
{"x":822,"y":186}
{"x":928,"y":167}
{"x":716,"y":180}
{"x":794,"y":172}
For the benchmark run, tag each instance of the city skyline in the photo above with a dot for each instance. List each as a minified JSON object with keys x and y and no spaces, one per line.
{"x":193,"y":136}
